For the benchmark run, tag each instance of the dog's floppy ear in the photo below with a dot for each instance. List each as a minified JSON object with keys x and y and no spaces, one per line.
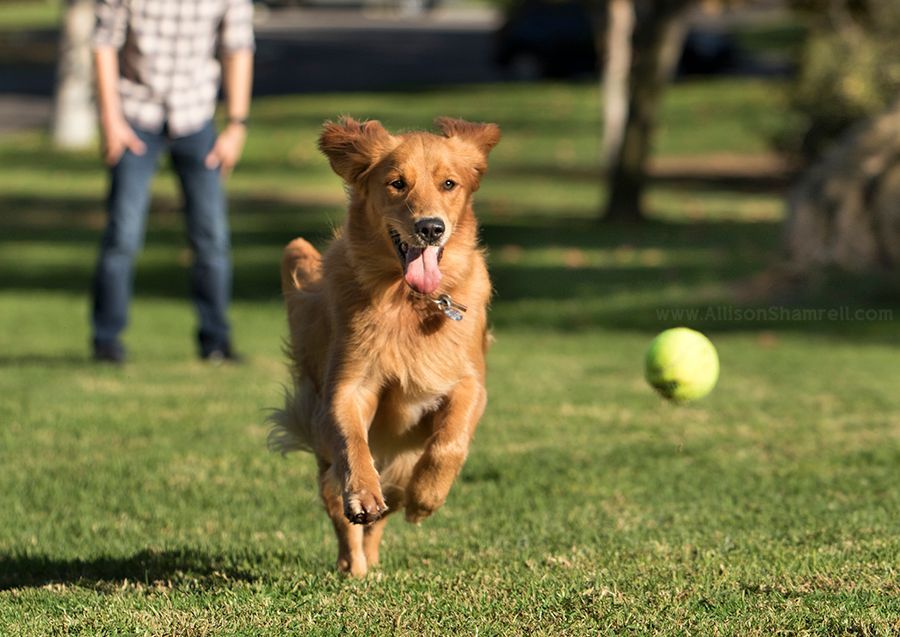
{"x":483,"y":136}
{"x":353,"y":147}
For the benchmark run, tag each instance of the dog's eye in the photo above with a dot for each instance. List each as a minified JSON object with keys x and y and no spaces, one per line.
{"x":449,"y":184}
{"x":398,"y":184}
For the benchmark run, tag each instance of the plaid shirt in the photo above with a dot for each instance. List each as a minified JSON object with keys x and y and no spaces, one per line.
{"x":169,"y":73}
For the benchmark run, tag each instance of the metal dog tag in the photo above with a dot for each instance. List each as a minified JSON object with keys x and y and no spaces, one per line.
{"x":451,"y":309}
{"x":453,"y":314}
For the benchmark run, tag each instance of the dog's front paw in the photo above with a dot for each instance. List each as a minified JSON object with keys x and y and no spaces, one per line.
{"x":420,"y":505}
{"x":364,"y":506}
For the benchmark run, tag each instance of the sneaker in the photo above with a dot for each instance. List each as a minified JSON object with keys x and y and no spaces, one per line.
{"x":222,"y":354}
{"x":112,"y":352}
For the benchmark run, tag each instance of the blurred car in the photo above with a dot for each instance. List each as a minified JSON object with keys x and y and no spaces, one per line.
{"x":555,"y":39}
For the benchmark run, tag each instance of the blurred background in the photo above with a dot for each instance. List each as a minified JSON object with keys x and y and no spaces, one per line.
{"x":707,"y":111}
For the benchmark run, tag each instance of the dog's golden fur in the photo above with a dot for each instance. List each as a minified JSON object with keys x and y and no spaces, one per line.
{"x":387,"y":390}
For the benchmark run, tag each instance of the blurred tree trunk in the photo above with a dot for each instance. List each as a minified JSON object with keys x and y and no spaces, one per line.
{"x":845,"y":210}
{"x":617,"y":44}
{"x":656,"y":42}
{"x":74,"y":115}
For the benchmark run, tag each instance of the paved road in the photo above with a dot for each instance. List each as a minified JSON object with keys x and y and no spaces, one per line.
{"x":353,"y":52}
{"x":313,"y":51}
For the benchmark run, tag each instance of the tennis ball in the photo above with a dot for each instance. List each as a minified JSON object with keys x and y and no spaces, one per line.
{"x":682,"y":365}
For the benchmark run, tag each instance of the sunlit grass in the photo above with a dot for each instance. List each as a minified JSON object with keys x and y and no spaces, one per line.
{"x":29,"y":14}
{"x":142,"y":500}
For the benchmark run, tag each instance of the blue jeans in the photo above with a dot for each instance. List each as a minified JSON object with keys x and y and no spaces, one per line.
{"x":207,"y":229}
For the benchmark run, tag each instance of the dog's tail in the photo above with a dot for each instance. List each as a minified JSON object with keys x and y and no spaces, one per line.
{"x":292,"y":428}
{"x":301,"y":266}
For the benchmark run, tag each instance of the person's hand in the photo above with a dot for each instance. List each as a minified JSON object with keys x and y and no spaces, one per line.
{"x":118,"y":137}
{"x":227,"y":150}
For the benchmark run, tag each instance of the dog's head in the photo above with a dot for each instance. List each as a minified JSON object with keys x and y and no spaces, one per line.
{"x":416,"y":187}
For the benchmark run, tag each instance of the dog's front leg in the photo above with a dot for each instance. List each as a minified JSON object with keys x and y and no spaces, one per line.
{"x":352,"y":408}
{"x":446,"y":450}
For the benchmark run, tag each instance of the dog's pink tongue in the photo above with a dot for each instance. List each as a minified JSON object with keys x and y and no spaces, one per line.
{"x":422,"y":272}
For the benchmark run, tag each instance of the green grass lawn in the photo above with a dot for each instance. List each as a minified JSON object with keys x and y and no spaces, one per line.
{"x":29,"y":14}
{"x":142,"y":501}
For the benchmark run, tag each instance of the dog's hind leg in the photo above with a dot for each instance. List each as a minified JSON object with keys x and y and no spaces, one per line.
{"x":351,"y":555}
{"x":372,"y":540}
{"x":395,"y":475}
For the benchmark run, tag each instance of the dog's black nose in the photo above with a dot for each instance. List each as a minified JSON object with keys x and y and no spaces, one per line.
{"x":430,"y":229}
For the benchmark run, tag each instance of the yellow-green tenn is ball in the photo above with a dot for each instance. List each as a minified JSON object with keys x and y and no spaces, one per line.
{"x":682,"y":365}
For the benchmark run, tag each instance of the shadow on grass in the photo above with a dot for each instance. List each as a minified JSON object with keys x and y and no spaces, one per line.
{"x":690,"y":177}
{"x":45,"y":361}
{"x":568,"y":273}
{"x":149,"y":568}
{"x":261,"y":227}
{"x":74,"y":220}
{"x":682,"y":180}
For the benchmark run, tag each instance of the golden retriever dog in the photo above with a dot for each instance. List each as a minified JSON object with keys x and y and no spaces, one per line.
{"x":388,"y":329}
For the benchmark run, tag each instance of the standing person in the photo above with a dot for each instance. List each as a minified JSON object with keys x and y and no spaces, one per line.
{"x":157,"y":83}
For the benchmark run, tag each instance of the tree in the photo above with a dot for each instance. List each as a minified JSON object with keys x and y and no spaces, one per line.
{"x":849,"y":70}
{"x":845,"y":209}
{"x":615,"y":40}
{"x":74,"y":114}
{"x":638,"y":69}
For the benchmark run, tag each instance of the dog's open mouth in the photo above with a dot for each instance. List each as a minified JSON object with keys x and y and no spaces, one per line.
{"x":421,"y":269}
